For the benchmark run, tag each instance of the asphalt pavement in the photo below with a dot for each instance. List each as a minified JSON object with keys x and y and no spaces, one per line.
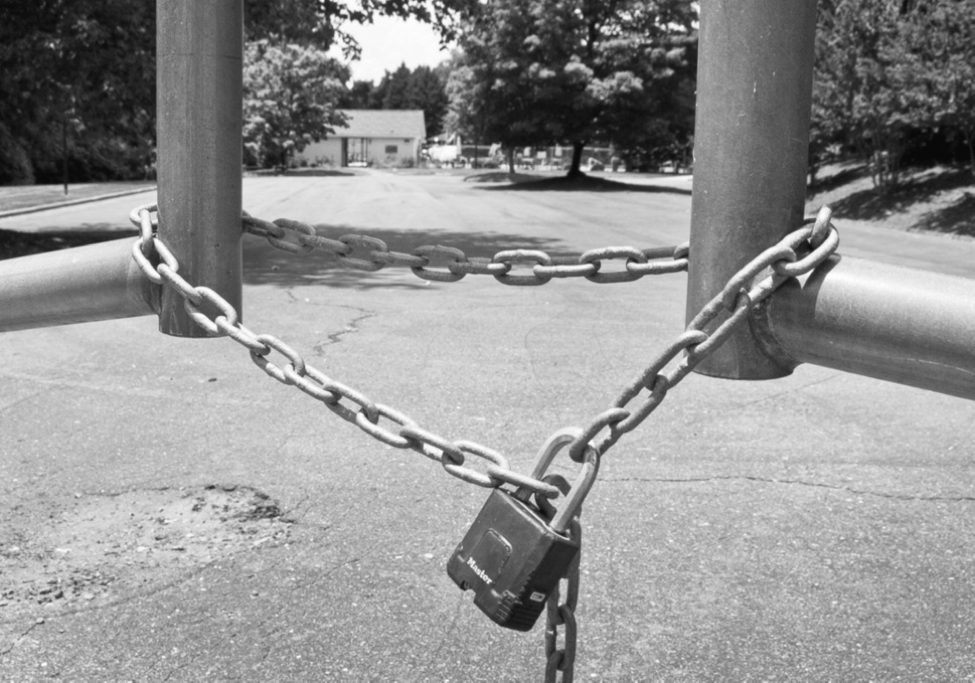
{"x":171,"y":513}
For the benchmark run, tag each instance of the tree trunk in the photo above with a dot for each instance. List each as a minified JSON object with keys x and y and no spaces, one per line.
{"x":64,"y":152}
{"x":970,"y":139}
{"x":575,"y":170}
{"x":511,"y":160}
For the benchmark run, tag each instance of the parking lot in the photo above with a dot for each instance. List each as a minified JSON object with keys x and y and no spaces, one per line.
{"x":171,"y":513}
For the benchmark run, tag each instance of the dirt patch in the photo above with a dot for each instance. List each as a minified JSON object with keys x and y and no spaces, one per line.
{"x":103,"y":548}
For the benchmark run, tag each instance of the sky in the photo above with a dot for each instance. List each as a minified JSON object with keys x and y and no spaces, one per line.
{"x":391,"y":41}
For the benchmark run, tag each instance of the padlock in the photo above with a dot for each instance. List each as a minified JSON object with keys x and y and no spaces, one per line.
{"x":514,"y":554}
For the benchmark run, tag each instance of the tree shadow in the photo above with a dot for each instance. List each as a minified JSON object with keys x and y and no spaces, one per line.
{"x":14,"y":244}
{"x":301,"y":172}
{"x":267,"y":265}
{"x":582,"y":183}
{"x":838,"y":179}
{"x":870,"y":204}
{"x":956,"y":219}
{"x":502,"y":177}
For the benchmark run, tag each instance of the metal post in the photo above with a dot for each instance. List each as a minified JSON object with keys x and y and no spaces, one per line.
{"x":95,"y":282}
{"x":198,"y":86}
{"x":907,"y":326}
{"x":754,"y":88}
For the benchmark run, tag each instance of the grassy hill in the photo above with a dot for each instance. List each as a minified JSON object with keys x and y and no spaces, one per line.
{"x":939,"y":199}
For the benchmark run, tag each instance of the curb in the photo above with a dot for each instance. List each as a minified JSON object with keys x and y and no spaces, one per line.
{"x":73,"y":202}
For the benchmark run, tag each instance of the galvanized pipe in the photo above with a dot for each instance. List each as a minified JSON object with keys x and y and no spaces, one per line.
{"x":95,"y":282}
{"x":199,"y":89}
{"x":751,"y":136}
{"x":907,"y":326}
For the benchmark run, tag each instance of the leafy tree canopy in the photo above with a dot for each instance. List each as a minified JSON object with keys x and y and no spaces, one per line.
{"x":84,"y":70}
{"x":322,"y":23}
{"x":889,"y":72}
{"x":568,"y":71}
{"x":290,"y":93}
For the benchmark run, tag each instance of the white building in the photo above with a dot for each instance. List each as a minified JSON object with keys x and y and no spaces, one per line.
{"x":371,"y":137}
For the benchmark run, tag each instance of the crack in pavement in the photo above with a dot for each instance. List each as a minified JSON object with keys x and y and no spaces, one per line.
{"x":16,"y":642}
{"x":792,"y":482}
{"x":351,"y":327}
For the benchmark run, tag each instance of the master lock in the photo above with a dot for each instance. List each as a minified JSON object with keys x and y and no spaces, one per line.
{"x":514,"y":554}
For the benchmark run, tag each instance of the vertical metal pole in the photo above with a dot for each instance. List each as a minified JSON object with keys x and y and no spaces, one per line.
{"x":198,"y":92}
{"x":751,"y":138}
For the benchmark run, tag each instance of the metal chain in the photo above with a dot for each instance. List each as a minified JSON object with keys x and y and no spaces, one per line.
{"x":298,"y":373}
{"x":296,"y":237}
{"x":563,"y":614}
{"x":796,"y":254}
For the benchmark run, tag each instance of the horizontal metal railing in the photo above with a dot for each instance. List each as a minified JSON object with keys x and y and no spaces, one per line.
{"x":95,"y":282}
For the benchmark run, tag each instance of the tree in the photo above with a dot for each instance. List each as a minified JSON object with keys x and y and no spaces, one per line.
{"x":888,"y":72}
{"x":467,"y":104}
{"x":857,"y":92}
{"x":425,"y":90}
{"x":937,"y":66}
{"x":394,"y":88}
{"x":571,"y":71}
{"x":322,"y":23}
{"x":86,"y":68}
{"x":358,"y":96}
{"x":290,"y":97}
{"x":84,"y":71}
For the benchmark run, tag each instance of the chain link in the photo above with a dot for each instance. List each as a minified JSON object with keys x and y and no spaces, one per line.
{"x":796,"y":254}
{"x":296,"y":371}
{"x":376,"y":256}
{"x":563,"y":614}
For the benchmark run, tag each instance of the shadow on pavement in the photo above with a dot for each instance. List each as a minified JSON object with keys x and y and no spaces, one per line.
{"x":14,"y":244}
{"x":267,"y":265}
{"x":583,"y":183}
{"x":301,"y":173}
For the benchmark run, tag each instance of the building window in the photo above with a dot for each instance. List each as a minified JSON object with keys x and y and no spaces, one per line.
{"x":392,"y":149}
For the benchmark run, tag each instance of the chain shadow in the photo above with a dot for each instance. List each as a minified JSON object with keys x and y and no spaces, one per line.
{"x":267,"y":265}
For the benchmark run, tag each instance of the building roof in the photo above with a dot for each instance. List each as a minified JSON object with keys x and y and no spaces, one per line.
{"x":382,"y":123}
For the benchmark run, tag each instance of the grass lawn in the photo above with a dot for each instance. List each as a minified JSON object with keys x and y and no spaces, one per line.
{"x":27,"y":196}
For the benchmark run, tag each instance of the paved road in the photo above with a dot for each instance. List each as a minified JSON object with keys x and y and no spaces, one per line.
{"x":812,"y":528}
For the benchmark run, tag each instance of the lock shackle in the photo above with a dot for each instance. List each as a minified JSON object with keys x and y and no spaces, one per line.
{"x":580,"y":487}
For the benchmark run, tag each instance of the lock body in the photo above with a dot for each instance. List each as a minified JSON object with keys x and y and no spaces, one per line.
{"x":512,"y":560}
